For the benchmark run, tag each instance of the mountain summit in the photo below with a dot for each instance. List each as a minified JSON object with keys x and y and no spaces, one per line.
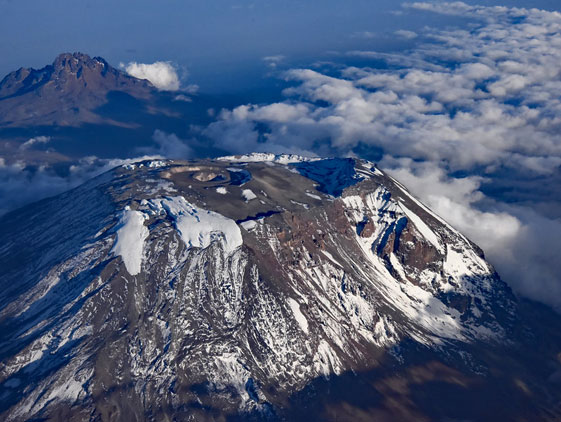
{"x":65,"y":93}
{"x":260,"y":287}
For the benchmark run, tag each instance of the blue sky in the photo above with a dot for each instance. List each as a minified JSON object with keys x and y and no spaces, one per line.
{"x":220,"y":43}
{"x":213,"y":36}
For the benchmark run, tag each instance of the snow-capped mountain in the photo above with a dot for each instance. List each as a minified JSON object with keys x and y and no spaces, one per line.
{"x":259,"y":287}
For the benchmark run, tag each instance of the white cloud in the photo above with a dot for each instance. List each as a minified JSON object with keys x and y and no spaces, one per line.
{"x":182,"y":97}
{"x":458,"y":8}
{"x":191,"y":89}
{"x":33,"y":141}
{"x":163,"y":75}
{"x":522,"y":244}
{"x":21,"y":183}
{"x":494,"y":111}
{"x":499,"y":105}
{"x":408,"y":35}
{"x":170,"y":146}
{"x":274,"y":61}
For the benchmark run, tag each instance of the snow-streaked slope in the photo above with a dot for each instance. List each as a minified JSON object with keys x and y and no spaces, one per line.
{"x":199,"y":227}
{"x":130,"y":239}
{"x":186,"y":289}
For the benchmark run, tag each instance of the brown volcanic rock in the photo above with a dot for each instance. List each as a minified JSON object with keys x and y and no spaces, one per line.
{"x":276,"y":308}
{"x":65,"y":93}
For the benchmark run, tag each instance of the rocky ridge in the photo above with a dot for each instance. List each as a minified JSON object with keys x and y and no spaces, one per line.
{"x":65,"y":93}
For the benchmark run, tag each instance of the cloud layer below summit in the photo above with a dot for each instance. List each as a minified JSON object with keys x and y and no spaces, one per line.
{"x":489,"y":96}
{"x":465,"y":111}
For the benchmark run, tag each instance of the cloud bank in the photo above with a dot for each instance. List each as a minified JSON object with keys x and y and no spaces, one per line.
{"x":21,"y":183}
{"x":163,"y":75}
{"x":522,"y":244}
{"x":472,"y":110}
{"x":24,"y":182}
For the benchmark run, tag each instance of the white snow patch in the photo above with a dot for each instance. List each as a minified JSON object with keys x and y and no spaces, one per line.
{"x":230,"y":371}
{"x":248,"y":195}
{"x":328,"y":255}
{"x":131,"y":236}
{"x":300,"y":318}
{"x":305,"y":206}
{"x":258,"y":157}
{"x":384,"y":332}
{"x":456,"y":264}
{"x":70,"y":388}
{"x":156,"y":164}
{"x":311,"y":195}
{"x":397,"y":265}
{"x":137,"y":163}
{"x":372,"y":168}
{"x":325,"y":360}
{"x":249,"y":225}
{"x":425,"y":230}
{"x":222,"y":190}
{"x":199,"y":227}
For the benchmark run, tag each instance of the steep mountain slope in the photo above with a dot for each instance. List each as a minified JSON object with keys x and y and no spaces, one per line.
{"x":82,"y":106}
{"x":65,"y":93}
{"x":260,"y":287}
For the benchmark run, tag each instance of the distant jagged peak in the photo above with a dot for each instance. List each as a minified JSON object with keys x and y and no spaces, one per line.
{"x":66,"y":92}
{"x":73,"y":61}
{"x":65,"y":67}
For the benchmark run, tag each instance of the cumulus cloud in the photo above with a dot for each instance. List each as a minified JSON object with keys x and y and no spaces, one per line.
{"x":191,"y":89}
{"x":522,"y":244}
{"x":182,"y":97}
{"x":408,"y":35}
{"x":163,"y":75}
{"x":498,"y":105}
{"x":484,"y":100}
{"x":274,"y":61}
{"x":488,"y":13}
{"x":33,"y":141}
